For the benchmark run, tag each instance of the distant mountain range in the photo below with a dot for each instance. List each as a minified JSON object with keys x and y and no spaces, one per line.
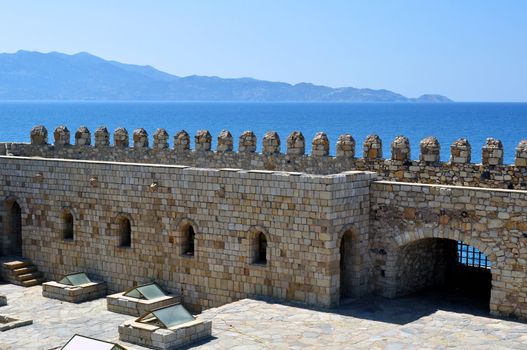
{"x":28,"y":75}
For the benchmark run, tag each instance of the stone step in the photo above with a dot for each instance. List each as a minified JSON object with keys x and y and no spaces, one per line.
{"x":29,"y":276}
{"x":31,"y":282}
{"x":24,"y":270}
{"x":16,"y":264}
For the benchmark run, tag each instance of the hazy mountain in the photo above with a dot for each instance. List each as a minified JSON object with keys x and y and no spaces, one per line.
{"x":56,"y":76}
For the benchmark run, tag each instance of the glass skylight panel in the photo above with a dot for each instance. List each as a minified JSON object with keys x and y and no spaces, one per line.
{"x":75,"y":279}
{"x":168,"y":316}
{"x":173,"y":315}
{"x":79,"y":342}
{"x":151,"y":291}
{"x":148,"y":291}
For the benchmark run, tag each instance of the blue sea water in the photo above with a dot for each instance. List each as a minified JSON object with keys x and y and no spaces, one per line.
{"x":448,"y":122}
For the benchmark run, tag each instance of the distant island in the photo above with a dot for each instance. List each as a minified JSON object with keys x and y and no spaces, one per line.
{"x":26,"y":75}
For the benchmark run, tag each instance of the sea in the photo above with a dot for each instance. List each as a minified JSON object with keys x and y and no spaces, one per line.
{"x":446,"y":121}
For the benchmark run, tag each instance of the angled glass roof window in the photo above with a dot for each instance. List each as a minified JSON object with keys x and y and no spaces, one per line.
{"x":146,"y":291}
{"x":80,"y":342}
{"x":168,"y":316}
{"x":75,"y":279}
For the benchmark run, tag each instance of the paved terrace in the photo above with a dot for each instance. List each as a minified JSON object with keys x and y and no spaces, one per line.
{"x":419,"y":322}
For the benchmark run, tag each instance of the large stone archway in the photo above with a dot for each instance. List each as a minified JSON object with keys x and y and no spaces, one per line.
{"x":422,"y":260}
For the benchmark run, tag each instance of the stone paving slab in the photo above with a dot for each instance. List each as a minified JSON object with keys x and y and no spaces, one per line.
{"x":427,"y":321}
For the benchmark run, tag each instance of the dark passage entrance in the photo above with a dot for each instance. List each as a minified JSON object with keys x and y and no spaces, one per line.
{"x":453,"y":269}
{"x":12,"y":237}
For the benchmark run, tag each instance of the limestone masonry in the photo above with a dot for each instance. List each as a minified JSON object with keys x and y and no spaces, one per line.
{"x":219,"y":226}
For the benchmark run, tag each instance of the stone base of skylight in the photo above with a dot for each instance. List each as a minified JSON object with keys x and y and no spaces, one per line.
{"x":74,"y":294}
{"x":3,"y":300}
{"x":7,"y":323}
{"x":165,"y":339}
{"x":137,"y":307}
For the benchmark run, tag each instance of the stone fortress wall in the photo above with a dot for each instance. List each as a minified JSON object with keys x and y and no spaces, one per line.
{"x":224,"y":208}
{"x":459,"y":170}
{"x":332,"y":229}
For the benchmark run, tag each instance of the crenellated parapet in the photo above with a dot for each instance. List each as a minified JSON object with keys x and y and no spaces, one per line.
{"x":492,"y":153}
{"x":460,"y":152}
{"x":82,"y":136}
{"x":120,"y":138}
{"x":39,"y":135}
{"x":271,"y":143}
{"x":320,"y":145}
{"x":247,"y":142}
{"x":161,"y":139}
{"x":426,"y":167}
{"x":225,"y":141}
{"x":182,"y":141}
{"x":400,"y":148}
{"x":372,"y":147}
{"x":296,"y":144}
{"x":430,"y":150}
{"x":102,"y":137}
{"x":61,"y":134}
{"x":346,"y":146}
{"x":140,"y":138}
{"x":521,"y":154}
{"x":203,"y":141}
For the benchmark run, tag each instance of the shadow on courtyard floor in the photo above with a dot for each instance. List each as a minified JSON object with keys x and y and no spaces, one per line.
{"x":407,"y":309}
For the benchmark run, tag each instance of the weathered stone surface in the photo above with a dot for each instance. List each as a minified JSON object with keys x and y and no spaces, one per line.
{"x":430,"y":150}
{"x":203,"y":141}
{"x":182,"y":141}
{"x":492,"y":152}
{"x":39,"y":135}
{"x":346,"y":146}
{"x":320,"y":145}
{"x":140,"y":138}
{"x":82,"y":136}
{"x":296,"y":144}
{"x":372,"y":147}
{"x":225,"y":141}
{"x":400,"y":149}
{"x":61,"y":135}
{"x":120,"y":138}
{"x":271,"y":143}
{"x":161,"y":139}
{"x":247,"y":142}
{"x":102,"y":137}
{"x":460,"y":152}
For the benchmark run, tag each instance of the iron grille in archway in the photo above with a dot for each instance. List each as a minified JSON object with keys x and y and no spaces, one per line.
{"x":470,"y":256}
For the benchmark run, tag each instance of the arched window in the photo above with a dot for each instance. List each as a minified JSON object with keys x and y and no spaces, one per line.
{"x":67,"y":225}
{"x":258,"y":247}
{"x":261,"y":256}
{"x":125,"y":231}
{"x":188,"y":240}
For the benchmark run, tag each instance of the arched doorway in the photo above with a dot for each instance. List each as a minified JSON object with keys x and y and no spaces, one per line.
{"x":12,"y":237}
{"x":451,"y":269}
{"x":349,"y":265}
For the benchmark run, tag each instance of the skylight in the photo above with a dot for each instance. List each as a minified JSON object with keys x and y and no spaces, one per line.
{"x":75,"y":279}
{"x":80,"y":342}
{"x":148,"y":291}
{"x":168,"y":316}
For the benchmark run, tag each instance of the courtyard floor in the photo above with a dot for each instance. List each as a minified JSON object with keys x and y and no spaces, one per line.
{"x":427,"y":321}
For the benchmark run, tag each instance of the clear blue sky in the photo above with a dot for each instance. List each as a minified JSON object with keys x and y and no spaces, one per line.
{"x":466,"y":49}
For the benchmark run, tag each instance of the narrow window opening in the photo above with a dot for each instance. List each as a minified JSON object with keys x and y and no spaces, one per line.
{"x":125,"y":232}
{"x":261,"y":249}
{"x":67,"y":226}
{"x":190,"y":235}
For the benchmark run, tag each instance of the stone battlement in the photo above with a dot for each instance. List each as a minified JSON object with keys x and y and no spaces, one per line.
{"x":428,"y":168}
